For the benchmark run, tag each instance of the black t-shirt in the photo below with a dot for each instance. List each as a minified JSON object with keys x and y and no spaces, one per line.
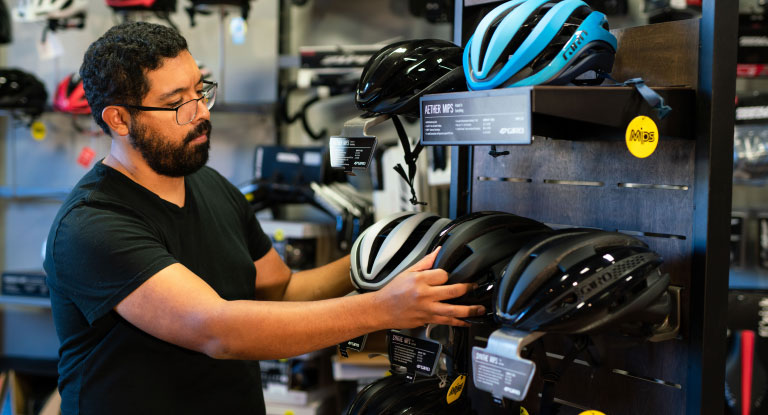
{"x":109,"y":237}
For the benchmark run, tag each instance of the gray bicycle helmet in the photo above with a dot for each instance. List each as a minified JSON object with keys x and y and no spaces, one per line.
{"x":390,"y":246}
{"x":581,"y":281}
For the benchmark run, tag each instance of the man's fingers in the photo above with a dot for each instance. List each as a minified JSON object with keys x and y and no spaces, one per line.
{"x":458,"y":311}
{"x":426,"y":262}
{"x":446,"y":292}
{"x":433,"y":276}
{"x":450,"y":321}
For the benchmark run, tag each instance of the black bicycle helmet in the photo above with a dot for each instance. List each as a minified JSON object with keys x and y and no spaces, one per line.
{"x":536,"y":42}
{"x":396,"y":76}
{"x":473,"y":243}
{"x":580,"y":281}
{"x":390,"y":246}
{"x":22,"y":91}
{"x":386,"y":384}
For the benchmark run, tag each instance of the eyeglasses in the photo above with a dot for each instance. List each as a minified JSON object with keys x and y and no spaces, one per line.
{"x":187,"y":111}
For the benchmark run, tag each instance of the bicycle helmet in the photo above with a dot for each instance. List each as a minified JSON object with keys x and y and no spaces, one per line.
{"x":70,"y":96}
{"x":5,"y":24}
{"x":396,"y":76}
{"x":474,"y":243}
{"x":390,"y":246}
{"x":36,"y":10}
{"x":536,"y":42}
{"x":141,"y":4}
{"x":22,"y":90}
{"x":580,"y":281}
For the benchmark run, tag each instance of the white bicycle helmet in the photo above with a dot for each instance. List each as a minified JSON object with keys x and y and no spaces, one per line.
{"x":390,"y":246}
{"x":37,"y":10}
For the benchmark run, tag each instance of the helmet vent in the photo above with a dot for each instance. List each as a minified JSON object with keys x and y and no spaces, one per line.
{"x":628,"y":264}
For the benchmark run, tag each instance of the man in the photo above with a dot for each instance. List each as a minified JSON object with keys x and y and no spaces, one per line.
{"x":165,"y":290}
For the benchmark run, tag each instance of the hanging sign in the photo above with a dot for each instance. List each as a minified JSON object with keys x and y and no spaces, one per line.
{"x":499,"y":116}
{"x":351,"y":153}
{"x":642,"y":136}
{"x":414,"y":354}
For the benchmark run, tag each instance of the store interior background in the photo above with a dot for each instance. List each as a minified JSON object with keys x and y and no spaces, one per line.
{"x":36,"y":174}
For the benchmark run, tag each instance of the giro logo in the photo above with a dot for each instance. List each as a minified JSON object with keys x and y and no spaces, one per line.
{"x":574,"y":45}
{"x":511,"y":131}
{"x":599,"y":282}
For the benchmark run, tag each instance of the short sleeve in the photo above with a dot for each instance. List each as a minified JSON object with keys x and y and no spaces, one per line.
{"x":259,"y":242}
{"x":100,"y":256}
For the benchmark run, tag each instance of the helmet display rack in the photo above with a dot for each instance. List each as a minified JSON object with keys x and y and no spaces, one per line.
{"x":677,"y":201}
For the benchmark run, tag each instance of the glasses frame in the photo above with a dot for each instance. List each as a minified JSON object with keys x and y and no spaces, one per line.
{"x":213,"y":87}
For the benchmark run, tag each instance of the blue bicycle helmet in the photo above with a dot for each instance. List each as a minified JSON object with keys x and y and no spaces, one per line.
{"x":536,"y":42}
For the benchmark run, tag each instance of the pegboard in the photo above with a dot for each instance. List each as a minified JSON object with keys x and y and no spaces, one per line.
{"x":672,"y":200}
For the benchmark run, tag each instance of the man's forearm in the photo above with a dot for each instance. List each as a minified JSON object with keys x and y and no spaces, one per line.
{"x":329,"y":281}
{"x":271,"y":330}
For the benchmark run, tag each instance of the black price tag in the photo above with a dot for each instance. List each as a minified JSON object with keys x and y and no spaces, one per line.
{"x":498,"y":116}
{"x":501,"y":376}
{"x":351,"y":153}
{"x":414,"y":354}
{"x":357,"y":344}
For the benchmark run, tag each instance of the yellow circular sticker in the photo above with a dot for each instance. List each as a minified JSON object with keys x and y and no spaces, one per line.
{"x":591,"y":412}
{"x":456,"y":388}
{"x":523,"y":411}
{"x":642,"y":136}
{"x":38,"y":130}
{"x":279,"y":235}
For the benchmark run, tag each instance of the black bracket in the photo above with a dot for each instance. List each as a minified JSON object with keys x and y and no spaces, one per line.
{"x":495,"y":153}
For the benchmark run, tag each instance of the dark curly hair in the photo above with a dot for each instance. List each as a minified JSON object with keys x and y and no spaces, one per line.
{"x":114,"y":66}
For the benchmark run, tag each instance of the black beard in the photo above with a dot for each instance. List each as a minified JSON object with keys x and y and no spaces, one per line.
{"x":166,"y":158}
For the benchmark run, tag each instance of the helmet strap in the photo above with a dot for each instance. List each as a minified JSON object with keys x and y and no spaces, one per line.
{"x":649,"y":95}
{"x":410,"y":157}
{"x":552,"y":376}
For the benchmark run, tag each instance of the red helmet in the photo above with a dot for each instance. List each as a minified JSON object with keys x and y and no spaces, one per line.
{"x":70,"y":96}
{"x":131,"y":3}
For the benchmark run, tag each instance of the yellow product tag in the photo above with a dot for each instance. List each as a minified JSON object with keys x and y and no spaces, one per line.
{"x":38,"y":130}
{"x":279,"y":235}
{"x":642,"y":136}
{"x":591,"y":412}
{"x":249,"y":197}
{"x":456,"y":388}
{"x":523,"y":411}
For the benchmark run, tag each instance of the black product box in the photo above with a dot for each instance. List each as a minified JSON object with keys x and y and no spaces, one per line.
{"x":25,"y":283}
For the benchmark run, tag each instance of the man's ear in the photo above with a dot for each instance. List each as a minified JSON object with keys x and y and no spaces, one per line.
{"x":117,"y":118}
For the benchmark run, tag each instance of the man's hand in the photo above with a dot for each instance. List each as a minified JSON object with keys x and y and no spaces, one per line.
{"x":414,"y":297}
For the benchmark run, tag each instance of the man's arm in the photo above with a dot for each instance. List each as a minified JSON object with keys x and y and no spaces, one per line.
{"x":274,"y":280}
{"x":175,"y":305}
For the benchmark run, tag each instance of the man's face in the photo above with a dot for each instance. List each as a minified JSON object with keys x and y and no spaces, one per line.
{"x":168,"y":148}
{"x":167,"y":156}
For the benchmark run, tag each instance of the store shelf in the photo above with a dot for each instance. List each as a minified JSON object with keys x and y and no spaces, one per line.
{"x":574,"y":113}
{"x":25,"y":301}
{"x":359,"y":365}
{"x":597,"y":112}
